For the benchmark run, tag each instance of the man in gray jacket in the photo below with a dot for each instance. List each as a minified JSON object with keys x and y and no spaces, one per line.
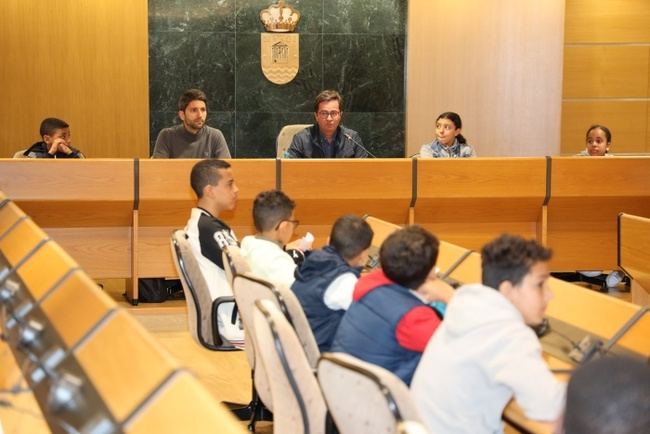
{"x":327,"y":138}
{"x":192,"y":139}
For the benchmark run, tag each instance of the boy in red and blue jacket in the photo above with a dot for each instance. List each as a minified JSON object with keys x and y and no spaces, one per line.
{"x":390,"y":320}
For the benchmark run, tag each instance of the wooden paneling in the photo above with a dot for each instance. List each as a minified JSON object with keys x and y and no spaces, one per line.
{"x":627,"y":120}
{"x":607,"y":55}
{"x":84,"y":62}
{"x":606,"y":71}
{"x":607,"y":21}
{"x":497,"y":63}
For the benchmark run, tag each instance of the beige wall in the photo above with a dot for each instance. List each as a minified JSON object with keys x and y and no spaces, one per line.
{"x":85,"y":62}
{"x":497,"y":63}
{"x":607,"y":73}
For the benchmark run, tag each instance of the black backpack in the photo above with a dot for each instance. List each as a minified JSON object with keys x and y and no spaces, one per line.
{"x":158,"y":290}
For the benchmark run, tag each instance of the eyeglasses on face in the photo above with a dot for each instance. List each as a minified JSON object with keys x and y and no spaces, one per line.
{"x":295,"y":223}
{"x":325,"y":114}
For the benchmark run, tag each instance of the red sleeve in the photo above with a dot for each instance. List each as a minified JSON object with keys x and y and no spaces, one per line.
{"x":369,"y":282}
{"x":416,"y":328}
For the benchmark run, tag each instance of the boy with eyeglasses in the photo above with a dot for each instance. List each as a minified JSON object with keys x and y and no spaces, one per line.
{"x":327,"y":138}
{"x":274,"y":222}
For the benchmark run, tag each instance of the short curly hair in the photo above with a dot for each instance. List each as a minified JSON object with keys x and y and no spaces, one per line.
{"x":408,"y":255}
{"x":510,"y":258}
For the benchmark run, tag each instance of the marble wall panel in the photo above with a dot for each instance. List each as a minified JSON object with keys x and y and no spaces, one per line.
{"x":354,"y":46}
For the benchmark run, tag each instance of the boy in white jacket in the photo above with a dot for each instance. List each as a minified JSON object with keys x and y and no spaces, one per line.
{"x":485,"y":352}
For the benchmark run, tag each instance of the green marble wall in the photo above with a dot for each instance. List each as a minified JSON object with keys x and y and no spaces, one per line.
{"x":356,"y":47}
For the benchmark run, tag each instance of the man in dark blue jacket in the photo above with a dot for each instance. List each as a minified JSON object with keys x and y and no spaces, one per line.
{"x":325,"y":281}
{"x":327,"y":138}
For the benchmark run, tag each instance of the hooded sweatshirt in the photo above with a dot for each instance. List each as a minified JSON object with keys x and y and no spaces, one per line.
{"x":319,"y":274}
{"x":482,"y":356}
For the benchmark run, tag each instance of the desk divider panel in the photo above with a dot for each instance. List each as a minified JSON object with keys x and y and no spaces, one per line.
{"x":46,"y":267}
{"x":9,"y":216}
{"x":589,"y":310}
{"x":21,"y":240}
{"x":468,"y":202}
{"x":327,"y":189}
{"x":76,"y":306}
{"x":634,"y":254}
{"x":587,"y":194}
{"x":125,"y":367}
{"x":182,"y":406}
{"x":468,"y":271}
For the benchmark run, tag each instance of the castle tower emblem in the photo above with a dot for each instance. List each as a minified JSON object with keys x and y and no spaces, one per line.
{"x":279,"y":53}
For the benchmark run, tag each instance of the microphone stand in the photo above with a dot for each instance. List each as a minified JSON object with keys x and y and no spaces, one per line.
{"x":349,"y":137}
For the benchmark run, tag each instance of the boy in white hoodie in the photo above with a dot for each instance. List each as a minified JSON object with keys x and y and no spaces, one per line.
{"x":485,"y":352}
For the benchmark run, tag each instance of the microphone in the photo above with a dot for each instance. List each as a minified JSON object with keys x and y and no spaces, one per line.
{"x":349,"y":137}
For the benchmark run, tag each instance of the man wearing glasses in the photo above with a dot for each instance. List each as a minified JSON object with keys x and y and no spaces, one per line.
{"x":327,"y":138}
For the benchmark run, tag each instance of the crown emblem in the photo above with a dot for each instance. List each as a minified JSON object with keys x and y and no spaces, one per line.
{"x":280,"y":18}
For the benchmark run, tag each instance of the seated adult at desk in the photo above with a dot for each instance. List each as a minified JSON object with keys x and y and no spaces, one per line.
{"x":598,"y":140}
{"x":327,"y":138}
{"x":193,"y":138}
{"x":56,"y":142}
{"x":485,"y":352}
{"x":449,"y":142}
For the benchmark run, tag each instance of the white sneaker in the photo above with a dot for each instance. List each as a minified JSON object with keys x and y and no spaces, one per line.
{"x":613,"y":279}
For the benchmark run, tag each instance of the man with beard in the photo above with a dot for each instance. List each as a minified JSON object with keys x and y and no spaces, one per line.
{"x":192,"y":139}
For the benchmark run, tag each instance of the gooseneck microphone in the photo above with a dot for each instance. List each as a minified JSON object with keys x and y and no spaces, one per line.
{"x":349,"y":137}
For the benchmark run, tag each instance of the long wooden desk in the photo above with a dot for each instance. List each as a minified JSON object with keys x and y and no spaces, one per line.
{"x":114,"y":216}
{"x":90,"y":365}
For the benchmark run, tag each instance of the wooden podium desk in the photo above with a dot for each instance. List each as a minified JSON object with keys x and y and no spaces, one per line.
{"x":587,"y":194}
{"x":85,"y":205}
{"x":114,"y":216}
{"x":468,"y":202}
{"x":327,"y":189}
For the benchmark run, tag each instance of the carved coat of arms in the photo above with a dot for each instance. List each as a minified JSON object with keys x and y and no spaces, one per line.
{"x":279,"y":45}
